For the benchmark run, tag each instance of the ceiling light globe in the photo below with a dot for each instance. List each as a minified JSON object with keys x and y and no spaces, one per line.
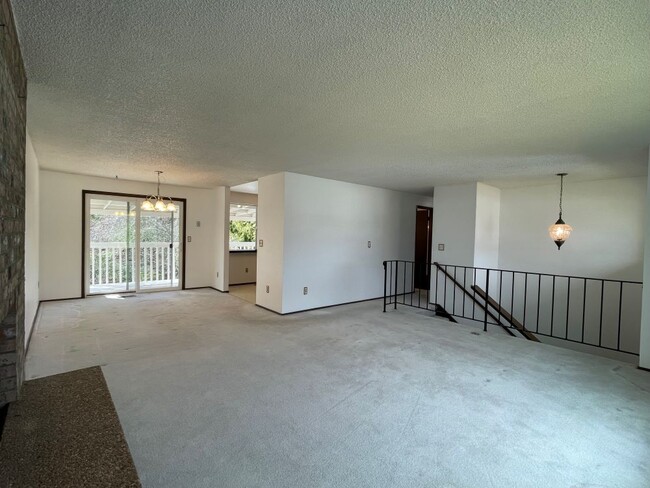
{"x":160,"y":206}
{"x":171,"y":207}
{"x":560,"y":232}
{"x":147,"y":206}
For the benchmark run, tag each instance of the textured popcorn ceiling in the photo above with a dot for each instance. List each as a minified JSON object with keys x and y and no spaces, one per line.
{"x":397,"y":94}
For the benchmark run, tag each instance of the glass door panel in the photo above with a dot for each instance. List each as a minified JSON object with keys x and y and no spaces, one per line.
{"x":160,"y":264}
{"x":111,"y":252}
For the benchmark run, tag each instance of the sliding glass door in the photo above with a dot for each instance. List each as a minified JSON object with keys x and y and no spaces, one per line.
{"x":129,"y":249}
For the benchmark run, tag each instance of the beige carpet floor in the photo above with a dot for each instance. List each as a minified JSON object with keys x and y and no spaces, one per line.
{"x":245,"y":292}
{"x":213,"y":391}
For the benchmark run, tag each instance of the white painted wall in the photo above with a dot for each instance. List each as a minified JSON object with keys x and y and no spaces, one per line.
{"x":243,"y":267}
{"x":327,"y":225}
{"x":31,"y":238}
{"x":60,"y":229}
{"x":270,"y":232}
{"x":454,"y":224}
{"x":644,"y":346}
{"x":243,"y":264}
{"x":221,"y":238}
{"x":243,"y":198}
{"x":488,"y":208}
{"x":608,"y":218}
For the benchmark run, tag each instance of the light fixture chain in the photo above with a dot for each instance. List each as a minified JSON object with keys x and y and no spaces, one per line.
{"x":561,"y":192}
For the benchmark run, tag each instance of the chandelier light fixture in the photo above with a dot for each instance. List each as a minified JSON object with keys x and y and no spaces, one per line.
{"x":158,"y":203}
{"x":560,"y":231}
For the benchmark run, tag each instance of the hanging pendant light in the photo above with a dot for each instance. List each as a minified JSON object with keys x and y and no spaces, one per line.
{"x":560,"y":231}
{"x":157,"y":203}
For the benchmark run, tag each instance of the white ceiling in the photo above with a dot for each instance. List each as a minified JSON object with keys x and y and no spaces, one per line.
{"x":396,"y":94}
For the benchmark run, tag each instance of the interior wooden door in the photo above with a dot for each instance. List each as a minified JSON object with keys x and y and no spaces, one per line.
{"x":423,"y":235}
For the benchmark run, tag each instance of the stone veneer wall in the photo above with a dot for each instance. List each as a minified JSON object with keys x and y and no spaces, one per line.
{"x":13,"y":93}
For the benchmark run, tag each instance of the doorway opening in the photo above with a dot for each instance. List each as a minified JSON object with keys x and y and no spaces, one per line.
{"x":127,"y":249}
{"x":243,"y":242}
{"x":423,"y":240}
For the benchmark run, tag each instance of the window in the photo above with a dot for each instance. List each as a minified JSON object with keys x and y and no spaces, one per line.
{"x":243,"y":227}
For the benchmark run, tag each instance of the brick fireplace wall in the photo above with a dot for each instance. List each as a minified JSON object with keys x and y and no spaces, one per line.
{"x":13,"y":94}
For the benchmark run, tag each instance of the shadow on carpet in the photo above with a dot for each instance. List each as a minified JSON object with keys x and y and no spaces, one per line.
{"x":64,"y":431}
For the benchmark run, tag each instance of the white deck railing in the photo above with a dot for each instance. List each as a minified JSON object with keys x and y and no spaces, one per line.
{"x":242,"y":246}
{"x":109,"y":263}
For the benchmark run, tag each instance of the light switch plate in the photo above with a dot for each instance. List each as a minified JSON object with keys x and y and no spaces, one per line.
{"x":189,"y":238}
{"x":261,"y":242}
{"x":369,"y":244}
{"x":267,"y":288}
{"x":198,"y":223}
{"x":305,"y":290}
{"x":441,"y":247}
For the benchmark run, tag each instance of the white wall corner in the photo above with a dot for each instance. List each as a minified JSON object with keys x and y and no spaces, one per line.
{"x":222,"y":234}
{"x":32,"y":237}
{"x":270,"y":241}
{"x":644,"y":340}
{"x":454,"y":224}
{"x":486,"y":234}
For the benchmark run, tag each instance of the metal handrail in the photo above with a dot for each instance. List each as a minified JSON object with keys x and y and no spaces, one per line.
{"x":570,"y":308}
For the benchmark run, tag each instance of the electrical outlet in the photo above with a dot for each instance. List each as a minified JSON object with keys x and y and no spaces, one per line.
{"x":261,"y":242}
{"x":247,"y":270}
{"x":305,"y":290}
{"x":369,"y":244}
{"x":189,"y":238}
{"x":267,"y":288}
{"x":198,"y":223}
{"x":441,"y":247}
{"x":217,"y":274}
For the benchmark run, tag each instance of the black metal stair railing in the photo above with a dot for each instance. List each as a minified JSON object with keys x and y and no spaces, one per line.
{"x":599,"y":312}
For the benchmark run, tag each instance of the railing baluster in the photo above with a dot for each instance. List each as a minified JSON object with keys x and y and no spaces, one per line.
{"x":525,"y":296}
{"x":539,"y":299}
{"x":429,"y":291}
{"x":620,"y":310}
{"x":500,"y":292}
{"x":512,"y":295}
{"x":396,"y":275}
{"x":412,"y":281}
{"x":92,"y":266}
{"x":385,"y":286}
{"x":553,"y":306}
{"x":474,"y":297}
{"x":453,"y":304}
{"x":404,"y":286}
{"x":487,"y":293}
{"x":464,"y":287}
{"x":602,"y":299}
{"x":121,"y":257}
{"x":437,"y":278}
{"x":106,"y":262}
{"x":444,"y":300}
{"x":568,"y":305}
{"x":390,"y":283}
{"x":584,"y":308}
